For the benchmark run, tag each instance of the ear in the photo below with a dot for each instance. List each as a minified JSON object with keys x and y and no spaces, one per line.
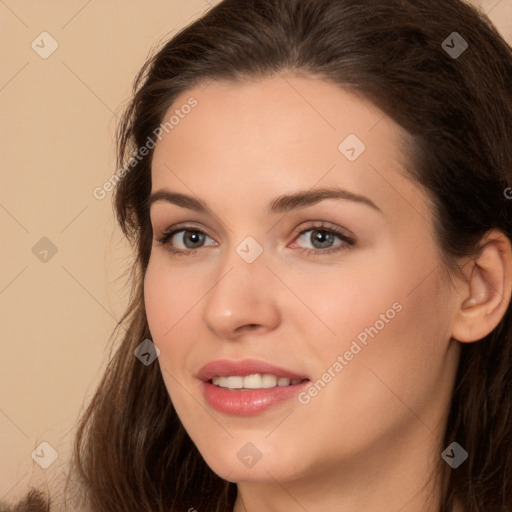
{"x":485,"y":295}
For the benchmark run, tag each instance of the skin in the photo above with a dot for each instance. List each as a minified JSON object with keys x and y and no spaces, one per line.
{"x":371,"y":438}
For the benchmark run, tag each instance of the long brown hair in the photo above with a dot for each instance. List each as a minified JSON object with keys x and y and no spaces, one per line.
{"x":132,"y":452}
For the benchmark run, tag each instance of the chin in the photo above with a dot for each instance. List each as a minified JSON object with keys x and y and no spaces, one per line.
{"x":243,"y":461}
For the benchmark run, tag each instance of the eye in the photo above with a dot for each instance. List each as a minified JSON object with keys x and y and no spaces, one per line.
{"x":317,"y":239}
{"x":184,"y":240}
{"x":320,"y":239}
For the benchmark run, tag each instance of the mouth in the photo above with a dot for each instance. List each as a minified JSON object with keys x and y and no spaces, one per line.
{"x":253,"y":381}
{"x":248,"y":387}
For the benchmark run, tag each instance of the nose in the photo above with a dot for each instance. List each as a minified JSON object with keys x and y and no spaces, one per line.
{"x":244,"y":299}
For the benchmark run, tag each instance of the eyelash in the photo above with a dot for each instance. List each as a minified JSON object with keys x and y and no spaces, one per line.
{"x":347,"y":242}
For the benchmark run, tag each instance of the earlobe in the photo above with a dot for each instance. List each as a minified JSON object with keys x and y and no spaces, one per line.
{"x":485,"y":297}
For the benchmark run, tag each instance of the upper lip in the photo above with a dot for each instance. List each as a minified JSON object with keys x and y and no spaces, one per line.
{"x":242,"y":368}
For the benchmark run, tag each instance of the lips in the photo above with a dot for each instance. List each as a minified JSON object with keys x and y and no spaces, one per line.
{"x":247,"y":402}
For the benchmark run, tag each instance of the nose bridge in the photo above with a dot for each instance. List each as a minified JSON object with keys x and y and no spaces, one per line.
{"x":242,"y":292}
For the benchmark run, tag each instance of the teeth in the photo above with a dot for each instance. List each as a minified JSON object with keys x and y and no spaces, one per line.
{"x":254,"y":381}
{"x":235,"y":382}
{"x":270,"y":381}
{"x":251,"y":381}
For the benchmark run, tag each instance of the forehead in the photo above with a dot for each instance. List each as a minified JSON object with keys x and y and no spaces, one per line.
{"x":286,"y":112}
{"x":278,"y":134}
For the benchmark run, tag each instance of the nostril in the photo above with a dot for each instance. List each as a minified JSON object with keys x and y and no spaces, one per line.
{"x":248,"y":327}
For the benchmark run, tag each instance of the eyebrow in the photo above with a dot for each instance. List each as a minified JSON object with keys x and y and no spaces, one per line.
{"x":281,"y":204}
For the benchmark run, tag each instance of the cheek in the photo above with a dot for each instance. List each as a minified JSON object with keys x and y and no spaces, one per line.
{"x":160,"y":304}
{"x":344,"y":299}
{"x":169,"y":301}
{"x":388,"y":319}
{"x":170,"y":296}
{"x":393,"y":349}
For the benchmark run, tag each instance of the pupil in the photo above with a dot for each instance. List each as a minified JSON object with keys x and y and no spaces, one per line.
{"x":321,"y":239}
{"x":193,"y":239}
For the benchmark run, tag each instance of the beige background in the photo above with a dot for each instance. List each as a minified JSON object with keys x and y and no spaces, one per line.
{"x":58,"y":119}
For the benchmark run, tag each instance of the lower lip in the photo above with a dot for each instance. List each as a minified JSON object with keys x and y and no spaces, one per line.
{"x":248,"y":402}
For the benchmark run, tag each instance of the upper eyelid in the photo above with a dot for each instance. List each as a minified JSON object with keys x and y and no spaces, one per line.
{"x":319,"y":225}
{"x":201,"y":213}
{"x":182,"y":226}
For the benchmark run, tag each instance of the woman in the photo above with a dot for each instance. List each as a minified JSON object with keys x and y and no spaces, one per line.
{"x":317,"y":193}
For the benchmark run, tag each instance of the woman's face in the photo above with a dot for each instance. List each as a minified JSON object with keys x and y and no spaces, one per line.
{"x":292,"y":246}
